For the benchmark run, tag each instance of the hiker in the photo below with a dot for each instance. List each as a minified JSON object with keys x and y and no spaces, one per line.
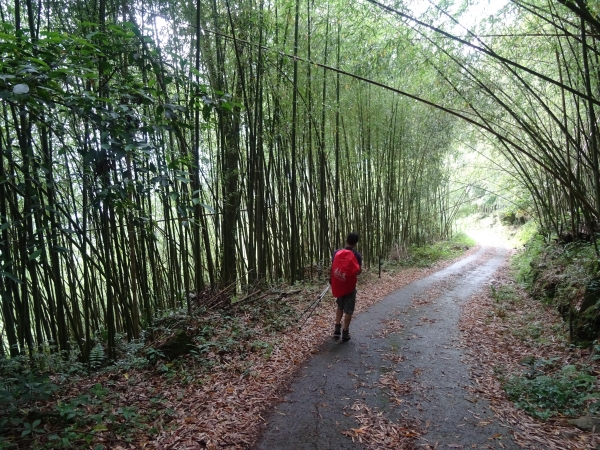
{"x":346,"y":265}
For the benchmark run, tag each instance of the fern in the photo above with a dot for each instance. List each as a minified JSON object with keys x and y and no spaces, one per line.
{"x":97,"y":357}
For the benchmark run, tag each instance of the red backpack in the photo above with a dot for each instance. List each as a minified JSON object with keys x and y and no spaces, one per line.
{"x":344,"y":271}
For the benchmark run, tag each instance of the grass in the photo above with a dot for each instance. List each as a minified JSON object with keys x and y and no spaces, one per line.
{"x":577,"y":261}
{"x":505,"y":294}
{"x":506,"y":299}
{"x":429,"y":254}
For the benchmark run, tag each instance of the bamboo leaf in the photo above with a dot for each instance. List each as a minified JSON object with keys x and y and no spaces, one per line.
{"x":209,"y":208}
{"x":10,"y":276}
{"x":35,"y":254}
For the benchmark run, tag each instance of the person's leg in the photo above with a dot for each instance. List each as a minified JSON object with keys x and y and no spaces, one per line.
{"x":338,"y":315}
{"x":347,"y":319}
{"x":337,"y":332}
{"x":349,"y":302}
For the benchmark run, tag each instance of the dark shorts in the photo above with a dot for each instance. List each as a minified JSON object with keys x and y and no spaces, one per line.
{"x":347,"y":302}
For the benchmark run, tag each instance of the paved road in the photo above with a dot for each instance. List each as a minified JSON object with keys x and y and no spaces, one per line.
{"x":418,"y":324}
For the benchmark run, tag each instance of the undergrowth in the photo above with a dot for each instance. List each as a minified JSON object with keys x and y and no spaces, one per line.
{"x":428,"y":254}
{"x":43,"y":405}
{"x":566,"y":276}
{"x":566,"y":392}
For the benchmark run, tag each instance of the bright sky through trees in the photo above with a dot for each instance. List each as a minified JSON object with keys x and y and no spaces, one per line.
{"x":472,"y":15}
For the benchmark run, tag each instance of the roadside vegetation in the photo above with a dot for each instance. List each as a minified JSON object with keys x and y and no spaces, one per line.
{"x":427,"y":255}
{"x":556,"y":377}
{"x":565,"y":275}
{"x":535,"y":331}
{"x":50,"y":402}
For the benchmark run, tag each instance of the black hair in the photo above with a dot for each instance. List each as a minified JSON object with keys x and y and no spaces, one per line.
{"x":352,"y":238}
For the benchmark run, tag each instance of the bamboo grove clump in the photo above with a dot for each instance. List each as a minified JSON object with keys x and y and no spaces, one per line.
{"x":152,"y":150}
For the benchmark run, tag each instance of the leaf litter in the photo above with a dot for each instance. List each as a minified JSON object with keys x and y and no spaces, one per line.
{"x":497,"y":343}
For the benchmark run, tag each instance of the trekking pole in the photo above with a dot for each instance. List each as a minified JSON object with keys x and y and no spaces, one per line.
{"x":311,"y":308}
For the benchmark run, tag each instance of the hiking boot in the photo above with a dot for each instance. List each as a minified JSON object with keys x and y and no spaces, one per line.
{"x":345,"y":335}
{"x":338,"y":331}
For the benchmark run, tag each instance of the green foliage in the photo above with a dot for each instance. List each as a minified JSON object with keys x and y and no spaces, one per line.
{"x":426,"y":255}
{"x":5,"y":443}
{"x":566,"y":392}
{"x":525,"y":262}
{"x":97,"y":357}
{"x":514,"y":215}
{"x":221,"y":335}
{"x":94,"y":409}
{"x":131,"y":355}
{"x":504,"y":294}
{"x":566,"y":276}
{"x":527,"y":232}
{"x":44,"y":360}
{"x":278,"y":316}
{"x":596,"y":351}
{"x":21,"y":383}
{"x":154,"y":355}
{"x":505,"y":297}
{"x":265,"y":347}
{"x":17,"y":390}
{"x":23,"y":390}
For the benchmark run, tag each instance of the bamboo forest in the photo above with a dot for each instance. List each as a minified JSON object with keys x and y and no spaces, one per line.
{"x":184,"y":171}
